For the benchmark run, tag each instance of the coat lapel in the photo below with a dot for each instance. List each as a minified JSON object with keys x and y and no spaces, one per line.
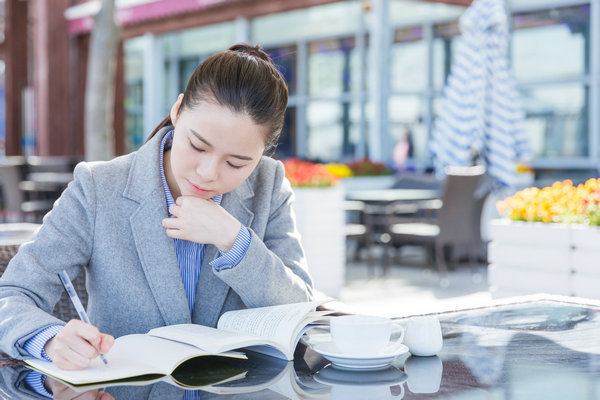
{"x":155,"y":249}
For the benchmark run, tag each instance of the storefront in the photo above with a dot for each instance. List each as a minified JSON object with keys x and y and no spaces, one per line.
{"x":364,"y":74}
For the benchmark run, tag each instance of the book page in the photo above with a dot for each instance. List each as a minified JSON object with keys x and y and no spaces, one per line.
{"x":209,"y":339}
{"x":277,"y":323}
{"x":131,"y":356}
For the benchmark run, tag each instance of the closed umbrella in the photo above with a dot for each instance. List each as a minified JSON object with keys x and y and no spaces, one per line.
{"x":480,"y":116}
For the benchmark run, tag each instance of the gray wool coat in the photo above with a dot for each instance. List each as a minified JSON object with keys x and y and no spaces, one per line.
{"x":107,"y":224}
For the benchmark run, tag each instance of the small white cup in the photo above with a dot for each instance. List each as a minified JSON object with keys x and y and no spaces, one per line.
{"x":424,"y":374}
{"x":424,"y":336}
{"x":362,"y":335}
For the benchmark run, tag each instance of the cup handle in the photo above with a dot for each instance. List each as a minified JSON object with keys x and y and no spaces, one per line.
{"x":398,"y":342}
{"x":401,"y":394}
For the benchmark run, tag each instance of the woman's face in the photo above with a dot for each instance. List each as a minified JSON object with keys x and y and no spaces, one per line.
{"x":214,"y":149}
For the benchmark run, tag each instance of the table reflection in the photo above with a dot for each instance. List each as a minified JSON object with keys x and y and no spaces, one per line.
{"x":544,"y":348}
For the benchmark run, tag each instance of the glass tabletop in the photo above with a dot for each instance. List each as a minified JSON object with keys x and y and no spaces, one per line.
{"x":540,"y":348}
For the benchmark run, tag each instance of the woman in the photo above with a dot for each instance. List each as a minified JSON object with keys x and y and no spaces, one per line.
{"x":195,"y":223}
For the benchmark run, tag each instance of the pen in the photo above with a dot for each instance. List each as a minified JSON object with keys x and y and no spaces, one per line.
{"x":68,"y":285}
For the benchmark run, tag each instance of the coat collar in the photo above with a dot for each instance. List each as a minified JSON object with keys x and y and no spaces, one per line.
{"x":156,"y":250}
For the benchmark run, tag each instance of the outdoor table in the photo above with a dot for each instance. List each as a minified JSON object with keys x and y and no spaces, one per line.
{"x":16,"y":233}
{"x":383,"y":204}
{"x":12,"y":235}
{"x":392,"y":195}
{"x":532,"y":347}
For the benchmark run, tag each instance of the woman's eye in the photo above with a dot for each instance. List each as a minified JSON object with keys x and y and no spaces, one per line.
{"x":234,"y":166}
{"x":196,"y":147}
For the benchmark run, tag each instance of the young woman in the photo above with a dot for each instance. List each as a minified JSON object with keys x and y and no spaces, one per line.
{"x":195,"y":223}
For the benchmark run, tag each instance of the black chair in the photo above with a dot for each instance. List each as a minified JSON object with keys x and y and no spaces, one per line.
{"x":456,"y":222}
{"x":358,"y":227}
{"x":45,"y":180}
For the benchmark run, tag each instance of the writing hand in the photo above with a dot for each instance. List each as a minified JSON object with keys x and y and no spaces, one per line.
{"x":64,"y":392}
{"x":202,"y":221}
{"x":77,"y":344}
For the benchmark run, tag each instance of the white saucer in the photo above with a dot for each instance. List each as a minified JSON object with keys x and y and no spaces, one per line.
{"x":389,"y":376}
{"x":377,"y":361}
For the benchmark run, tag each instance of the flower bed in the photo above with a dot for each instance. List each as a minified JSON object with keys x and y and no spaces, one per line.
{"x":547,"y":242}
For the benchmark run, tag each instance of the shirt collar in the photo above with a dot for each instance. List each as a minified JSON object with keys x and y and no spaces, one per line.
{"x":166,"y":143}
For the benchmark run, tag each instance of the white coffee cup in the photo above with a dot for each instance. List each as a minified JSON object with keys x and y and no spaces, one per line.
{"x":362,"y":335}
{"x":424,"y":374}
{"x":424,"y":336}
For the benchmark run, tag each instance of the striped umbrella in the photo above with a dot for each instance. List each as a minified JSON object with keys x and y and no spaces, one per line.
{"x":480,"y":115}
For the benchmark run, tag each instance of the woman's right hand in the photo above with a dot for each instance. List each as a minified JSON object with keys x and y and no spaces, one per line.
{"x":60,"y":391}
{"x":77,"y":344}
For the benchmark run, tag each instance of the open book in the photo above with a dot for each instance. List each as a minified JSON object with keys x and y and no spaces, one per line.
{"x":147,"y":358}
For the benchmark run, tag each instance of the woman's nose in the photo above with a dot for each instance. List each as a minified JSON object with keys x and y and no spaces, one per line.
{"x":208,"y":169}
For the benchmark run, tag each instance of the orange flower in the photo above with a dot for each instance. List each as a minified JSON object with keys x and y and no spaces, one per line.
{"x":307,"y":174}
{"x":560,"y":202}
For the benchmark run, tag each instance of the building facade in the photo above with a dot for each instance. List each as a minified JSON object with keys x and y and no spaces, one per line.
{"x":363,"y":74}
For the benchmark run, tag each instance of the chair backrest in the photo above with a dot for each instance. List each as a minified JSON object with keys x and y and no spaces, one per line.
{"x":459,"y":204}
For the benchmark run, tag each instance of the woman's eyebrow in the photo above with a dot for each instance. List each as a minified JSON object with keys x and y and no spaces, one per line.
{"x":206,"y":142}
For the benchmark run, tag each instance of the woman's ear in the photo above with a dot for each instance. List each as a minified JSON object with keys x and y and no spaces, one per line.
{"x":175,"y":109}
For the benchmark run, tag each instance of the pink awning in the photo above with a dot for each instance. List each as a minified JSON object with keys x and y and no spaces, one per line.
{"x":144,"y":12}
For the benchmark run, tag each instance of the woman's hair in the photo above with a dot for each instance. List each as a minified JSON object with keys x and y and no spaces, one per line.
{"x":245,"y":80}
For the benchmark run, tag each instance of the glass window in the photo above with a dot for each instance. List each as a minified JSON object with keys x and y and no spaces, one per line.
{"x":332,"y":130}
{"x":556,"y":120}
{"x":285,"y":59}
{"x":330,"y":67}
{"x":445,"y":42}
{"x":409,"y":60}
{"x":551,"y":44}
{"x":186,"y":69}
{"x":325,"y":20}
{"x":407,"y":12}
{"x":203,"y":40}
{"x":134,"y":93}
{"x":407,"y":123}
{"x":286,"y":146}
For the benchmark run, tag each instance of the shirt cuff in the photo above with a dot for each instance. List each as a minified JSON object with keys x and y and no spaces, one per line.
{"x":35,"y":345}
{"x":236,"y":253}
{"x":36,"y":380}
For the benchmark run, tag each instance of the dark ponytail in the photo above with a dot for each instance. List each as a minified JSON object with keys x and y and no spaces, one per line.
{"x":243,"y":79}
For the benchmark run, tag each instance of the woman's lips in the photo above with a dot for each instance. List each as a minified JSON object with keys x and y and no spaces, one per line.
{"x":198,"y":190}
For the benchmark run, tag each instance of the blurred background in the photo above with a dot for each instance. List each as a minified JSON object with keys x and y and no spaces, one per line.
{"x":368,"y":83}
{"x":363,"y":75}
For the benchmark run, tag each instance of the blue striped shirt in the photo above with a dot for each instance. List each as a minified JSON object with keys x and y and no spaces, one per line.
{"x":189,"y":258}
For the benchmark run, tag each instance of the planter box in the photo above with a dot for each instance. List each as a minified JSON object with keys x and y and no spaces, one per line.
{"x":529,"y":258}
{"x":320,"y":221}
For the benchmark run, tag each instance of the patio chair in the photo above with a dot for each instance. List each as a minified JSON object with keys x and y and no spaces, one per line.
{"x":456,"y":222}
{"x":358,"y":228}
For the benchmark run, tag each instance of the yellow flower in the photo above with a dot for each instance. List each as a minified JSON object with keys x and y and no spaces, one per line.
{"x":339,"y":170}
{"x":560,"y":202}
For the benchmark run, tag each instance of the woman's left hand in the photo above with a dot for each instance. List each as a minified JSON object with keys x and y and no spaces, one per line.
{"x":202,"y":221}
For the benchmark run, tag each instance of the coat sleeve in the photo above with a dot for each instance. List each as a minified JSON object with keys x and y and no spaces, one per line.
{"x":273,"y":269}
{"x":30,"y":287}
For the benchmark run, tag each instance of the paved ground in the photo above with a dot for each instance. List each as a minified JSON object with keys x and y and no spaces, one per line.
{"x":412,"y":287}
